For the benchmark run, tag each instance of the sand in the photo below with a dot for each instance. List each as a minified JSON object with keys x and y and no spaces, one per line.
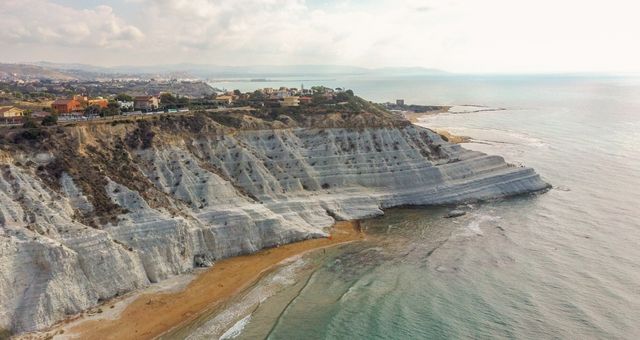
{"x":448,"y":136}
{"x":148,"y":315}
{"x":413,"y":117}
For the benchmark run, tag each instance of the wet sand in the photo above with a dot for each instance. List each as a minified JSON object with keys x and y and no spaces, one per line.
{"x":150,"y":315}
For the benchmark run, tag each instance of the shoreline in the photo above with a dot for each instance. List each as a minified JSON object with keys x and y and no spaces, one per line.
{"x":451,"y":138}
{"x":148,"y":314}
{"x":413,"y":117}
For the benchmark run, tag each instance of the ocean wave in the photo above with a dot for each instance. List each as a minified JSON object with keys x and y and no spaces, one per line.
{"x":247,"y":304}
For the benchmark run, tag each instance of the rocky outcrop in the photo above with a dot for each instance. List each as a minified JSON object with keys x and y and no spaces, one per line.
{"x":109,"y":209}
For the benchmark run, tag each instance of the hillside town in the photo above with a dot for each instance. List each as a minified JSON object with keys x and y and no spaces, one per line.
{"x":38,"y":100}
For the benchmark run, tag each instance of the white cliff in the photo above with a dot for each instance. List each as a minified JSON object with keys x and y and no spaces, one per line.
{"x":208,"y":195}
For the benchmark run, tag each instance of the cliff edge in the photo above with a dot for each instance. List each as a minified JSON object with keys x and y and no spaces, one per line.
{"x":91,"y":211}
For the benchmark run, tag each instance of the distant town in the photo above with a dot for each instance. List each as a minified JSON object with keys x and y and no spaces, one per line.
{"x":47,"y":102}
{"x":70,"y":101}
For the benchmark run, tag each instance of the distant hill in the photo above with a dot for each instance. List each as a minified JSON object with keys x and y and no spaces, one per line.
{"x":24,"y":71}
{"x":61,"y":71}
{"x":208,"y":70}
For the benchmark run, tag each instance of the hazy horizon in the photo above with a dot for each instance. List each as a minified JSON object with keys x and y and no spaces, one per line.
{"x":294,"y":70}
{"x":458,"y":36}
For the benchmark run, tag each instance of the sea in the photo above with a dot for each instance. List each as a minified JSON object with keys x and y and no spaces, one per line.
{"x":564,"y":264}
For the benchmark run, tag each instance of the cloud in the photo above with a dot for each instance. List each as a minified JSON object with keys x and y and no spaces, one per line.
{"x":455,"y":35}
{"x":284,"y":31}
{"x":44,"y":22}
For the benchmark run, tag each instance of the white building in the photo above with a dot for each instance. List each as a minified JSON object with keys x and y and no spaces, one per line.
{"x":125,"y":105}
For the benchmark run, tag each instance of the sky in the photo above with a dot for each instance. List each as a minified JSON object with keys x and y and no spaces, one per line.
{"x":465,"y":36}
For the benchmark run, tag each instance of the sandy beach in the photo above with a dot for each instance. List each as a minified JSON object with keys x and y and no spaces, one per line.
{"x":449,"y":137}
{"x":414,"y":116}
{"x":148,"y":315}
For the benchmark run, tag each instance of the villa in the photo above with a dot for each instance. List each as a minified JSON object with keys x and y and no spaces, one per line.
{"x":10,"y":112}
{"x":290,"y":101}
{"x":66,"y":106}
{"x":146,"y":103}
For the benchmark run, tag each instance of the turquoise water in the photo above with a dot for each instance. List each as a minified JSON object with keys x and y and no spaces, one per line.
{"x":564,"y":264}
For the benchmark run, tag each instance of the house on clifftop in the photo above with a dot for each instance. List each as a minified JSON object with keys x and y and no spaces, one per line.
{"x":10,"y":113}
{"x":290,"y":101}
{"x":146,"y":103}
{"x":66,"y":106}
{"x":226,"y":99}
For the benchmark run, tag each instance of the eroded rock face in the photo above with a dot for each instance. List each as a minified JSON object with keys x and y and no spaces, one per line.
{"x":188,"y":200}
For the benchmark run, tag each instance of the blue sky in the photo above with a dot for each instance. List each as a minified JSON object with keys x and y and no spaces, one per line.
{"x":501,"y":36}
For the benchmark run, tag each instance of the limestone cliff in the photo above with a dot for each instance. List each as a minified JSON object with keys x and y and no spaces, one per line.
{"x":92,"y":211}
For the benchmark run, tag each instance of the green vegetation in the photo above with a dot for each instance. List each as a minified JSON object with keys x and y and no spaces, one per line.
{"x":31,"y":133}
{"x":169,"y":101}
{"x":50,"y":120}
{"x":141,"y":136}
{"x":92,"y":110}
{"x":29,"y":124}
{"x":5,"y":333}
{"x":112,"y":109}
{"x":123,"y":97}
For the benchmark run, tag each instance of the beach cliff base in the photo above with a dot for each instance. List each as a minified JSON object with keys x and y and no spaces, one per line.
{"x":149,"y":315}
{"x":89,"y":213}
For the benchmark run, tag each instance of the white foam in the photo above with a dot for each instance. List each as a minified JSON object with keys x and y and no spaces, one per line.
{"x":285,"y":276}
{"x":473,"y":227}
{"x":471,"y":108}
{"x":236,"y":329}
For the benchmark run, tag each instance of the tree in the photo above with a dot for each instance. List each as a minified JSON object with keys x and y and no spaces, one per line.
{"x":319,"y":89}
{"x":168,"y":101}
{"x":182,"y":101}
{"x":342,"y":97}
{"x":257,"y":95}
{"x":112,"y":109}
{"x":50,"y":120}
{"x":123,"y":97}
{"x":29,"y":124}
{"x":92,"y":110}
{"x":167,"y":98}
{"x":318,"y":98}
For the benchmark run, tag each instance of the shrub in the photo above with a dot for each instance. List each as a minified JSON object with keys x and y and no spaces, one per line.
{"x":50,"y":120}
{"x":29,"y":124}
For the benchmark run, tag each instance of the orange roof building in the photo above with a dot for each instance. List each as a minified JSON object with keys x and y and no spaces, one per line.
{"x":66,"y":106}
{"x":305,"y":100}
{"x":101,"y":102}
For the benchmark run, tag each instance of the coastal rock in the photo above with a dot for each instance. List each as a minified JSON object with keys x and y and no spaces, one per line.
{"x":127,"y":216}
{"x":201,"y":260}
{"x":455,"y":213}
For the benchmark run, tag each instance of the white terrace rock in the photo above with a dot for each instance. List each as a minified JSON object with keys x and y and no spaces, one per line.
{"x":227,"y":195}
